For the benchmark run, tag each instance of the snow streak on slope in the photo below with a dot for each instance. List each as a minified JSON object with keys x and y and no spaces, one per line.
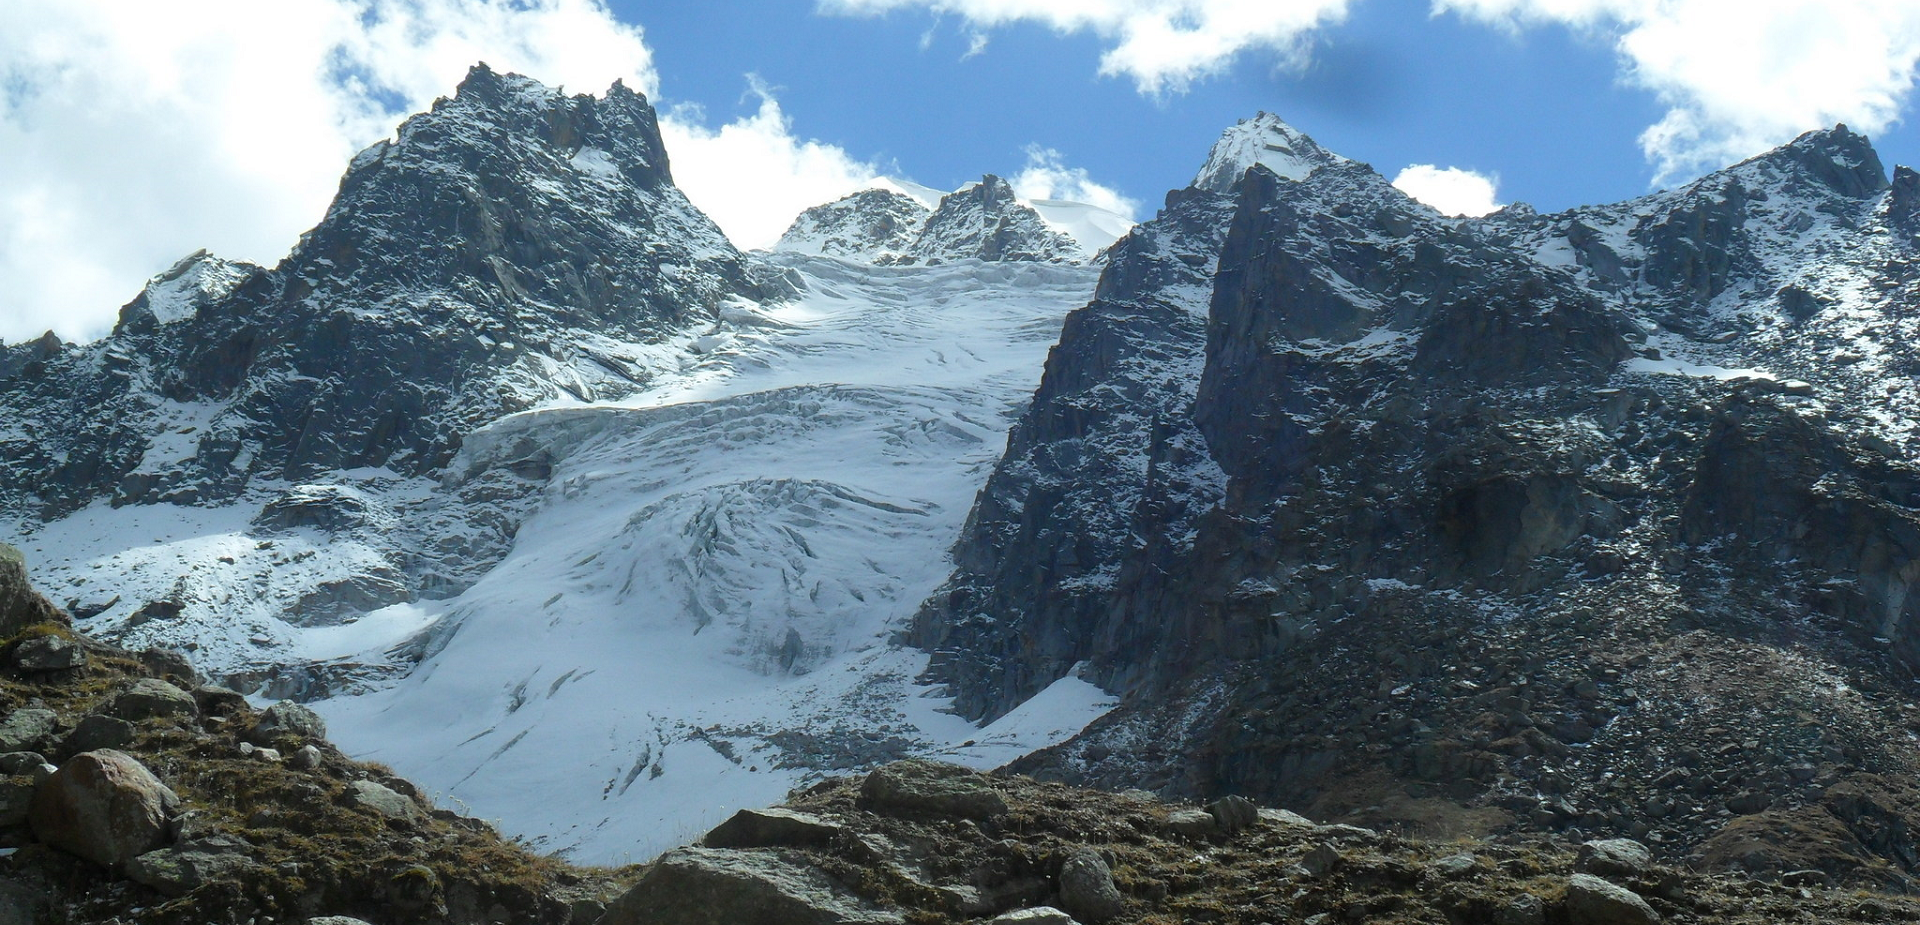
{"x":695,"y":617}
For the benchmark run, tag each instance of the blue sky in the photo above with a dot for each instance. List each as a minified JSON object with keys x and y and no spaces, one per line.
{"x":133,"y":134}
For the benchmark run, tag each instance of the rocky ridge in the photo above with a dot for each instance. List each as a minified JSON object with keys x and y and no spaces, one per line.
{"x":1566,"y":522}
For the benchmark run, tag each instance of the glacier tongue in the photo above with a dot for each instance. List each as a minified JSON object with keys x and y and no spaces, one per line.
{"x":695,"y":616}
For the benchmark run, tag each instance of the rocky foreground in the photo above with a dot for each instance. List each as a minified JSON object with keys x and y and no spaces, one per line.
{"x":136,"y":793}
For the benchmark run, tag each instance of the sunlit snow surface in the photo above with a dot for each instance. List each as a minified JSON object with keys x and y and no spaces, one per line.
{"x":695,"y":618}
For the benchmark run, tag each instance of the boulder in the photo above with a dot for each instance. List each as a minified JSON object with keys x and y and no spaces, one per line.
{"x":1285,"y":817}
{"x":772,"y":828}
{"x":20,"y":605}
{"x":170,"y":663}
{"x":1614,"y":857}
{"x":1087,"y":891}
{"x":1322,"y":859}
{"x":711,"y":886}
{"x":26,"y":730}
{"x":383,"y":801}
{"x":20,"y":762}
{"x":1234,"y":814}
{"x":152,"y":698}
{"x":1454,"y":866}
{"x":1521,"y":909}
{"x":179,"y":871}
{"x":52,"y":652}
{"x":215,"y":700}
{"x":103,"y":806}
{"x":97,"y":732}
{"x":934,"y":788}
{"x":287,"y":718}
{"x":336,"y":920}
{"x":1593,"y":901}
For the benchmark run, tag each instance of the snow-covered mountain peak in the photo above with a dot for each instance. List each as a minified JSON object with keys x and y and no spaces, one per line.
{"x":900,"y":222}
{"x":1267,"y":141}
{"x":178,"y":293}
{"x":1839,"y":159}
{"x":873,"y":225}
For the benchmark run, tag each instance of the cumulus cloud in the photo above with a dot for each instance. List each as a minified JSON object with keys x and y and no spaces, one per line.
{"x":1046,"y":176}
{"x":753,"y":175}
{"x":1161,"y":44}
{"x":1449,"y":190}
{"x":137,"y":132}
{"x":1738,"y":78}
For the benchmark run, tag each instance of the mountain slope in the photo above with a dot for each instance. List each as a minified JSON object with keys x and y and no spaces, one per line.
{"x":1535,"y":516}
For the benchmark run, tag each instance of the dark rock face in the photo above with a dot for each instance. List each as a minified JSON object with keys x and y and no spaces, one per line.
{"x":494,"y":254}
{"x":1473,"y":492}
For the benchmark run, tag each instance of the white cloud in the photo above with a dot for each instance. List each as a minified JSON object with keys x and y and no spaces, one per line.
{"x":1740,"y":76}
{"x":1047,"y":177}
{"x":1450,"y":190}
{"x":137,"y":132}
{"x":752,"y":176}
{"x":1162,"y":44}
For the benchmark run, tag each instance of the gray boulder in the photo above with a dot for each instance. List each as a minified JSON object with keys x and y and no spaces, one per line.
{"x":152,"y":698}
{"x":287,"y":718}
{"x":772,"y":828}
{"x":1593,"y":901}
{"x":1614,"y":857}
{"x":1235,"y":814}
{"x":170,"y":663}
{"x":103,"y":806}
{"x":20,"y":762}
{"x":1087,"y":890}
{"x":383,"y":801}
{"x":1521,"y":909}
{"x":710,"y":886}
{"x":919,"y":786}
{"x":25,"y":730}
{"x":179,"y":871}
{"x":336,"y":920}
{"x":51,"y":652}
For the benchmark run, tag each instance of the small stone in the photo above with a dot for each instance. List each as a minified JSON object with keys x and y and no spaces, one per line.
{"x":772,"y":828}
{"x":383,"y":801}
{"x":151,"y":698}
{"x":1342,"y":832}
{"x":20,"y":762}
{"x":1593,"y":901}
{"x":49,"y":653}
{"x":1614,"y":857}
{"x":1322,"y":859}
{"x":1192,"y":823}
{"x":25,"y":730}
{"x":1234,"y":814}
{"x":1813,"y":878}
{"x":287,"y":718}
{"x":306,"y":759}
{"x":1087,"y":891}
{"x":1038,"y":915}
{"x":336,"y":920}
{"x":1455,"y":866}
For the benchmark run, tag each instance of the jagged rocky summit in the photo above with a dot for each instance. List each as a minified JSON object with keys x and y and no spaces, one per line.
{"x":502,"y":250}
{"x":1599,"y":521}
{"x":893,"y":225}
